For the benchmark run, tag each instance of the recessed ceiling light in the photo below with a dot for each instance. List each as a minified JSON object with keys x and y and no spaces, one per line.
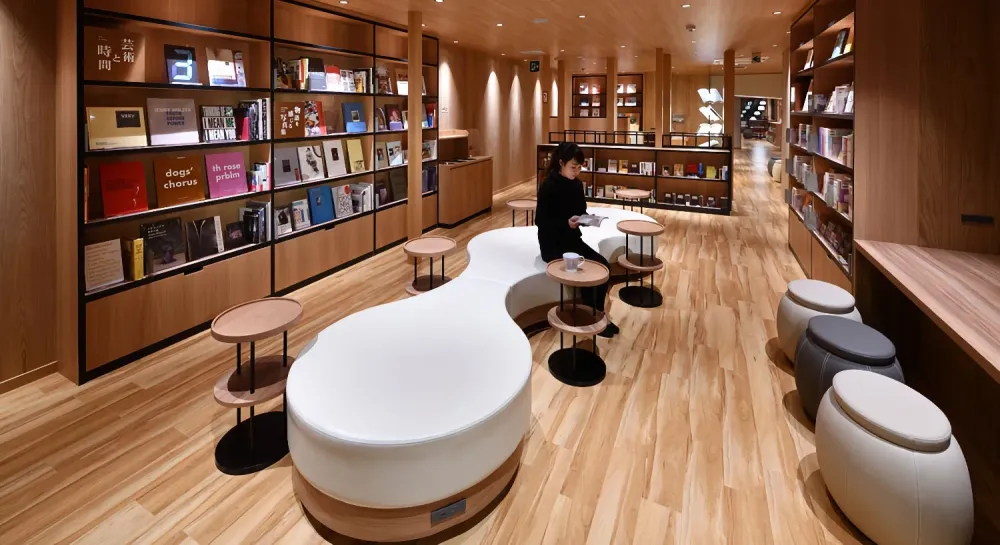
{"x":623,"y":47}
{"x":343,"y":1}
{"x":455,"y":42}
{"x":562,"y":50}
{"x":637,"y":56}
{"x":499,"y":24}
{"x":775,"y":45}
{"x":439,"y":1}
{"x":423,"y":24}
{"x":503,"y":54}
{"x":685,"y":5}
{"x":583,"y":16}
{"x":777,"y":13}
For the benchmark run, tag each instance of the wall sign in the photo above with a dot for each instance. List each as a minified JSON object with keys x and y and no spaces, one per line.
{"x":182,"y":68}
{"x":534,"y":66}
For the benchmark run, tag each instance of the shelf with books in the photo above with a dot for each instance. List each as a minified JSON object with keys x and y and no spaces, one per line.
{"x":292,"y":44}
{"x":804,"y":46}
{"x":400,"y":60}
{"x":101,"y":222}
{"x":404,"y":165}
{"x":845,"y":60}
{"x":330,"y":180}
{"x":322,"y":137}
{"x":173,"y":86}
{"x":310,"y":92}
{"x":831,"y":253}
{"x":88,"y":14}
{"x":175,"y":148}
{"x":834,"y":162}
{"x":319,"y":226}
{"x":822,"y":201}
{"x":403,"y":131}
{"x":695,"y":178}
{"x":606,"y":173}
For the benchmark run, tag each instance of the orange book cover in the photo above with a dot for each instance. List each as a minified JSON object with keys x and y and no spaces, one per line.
{"x":179,"y":180}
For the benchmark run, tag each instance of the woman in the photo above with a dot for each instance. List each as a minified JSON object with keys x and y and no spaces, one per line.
{"x":561,"y":202}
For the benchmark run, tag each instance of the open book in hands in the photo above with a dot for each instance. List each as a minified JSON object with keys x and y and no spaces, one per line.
{"x":590,"y":220}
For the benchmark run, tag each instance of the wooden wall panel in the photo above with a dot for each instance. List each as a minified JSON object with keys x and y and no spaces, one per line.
{"x":800,"y":241}
{"x":67,"y":185}
{"x":390,"y":225}
{"x":825,"y":270}
{"x":250,"y":16}
{"x":685,"y":101}
{"x":304,"y":257}
{"x":299,"y":24}
{"x":430,"y":211}
{"x":27,"y":187}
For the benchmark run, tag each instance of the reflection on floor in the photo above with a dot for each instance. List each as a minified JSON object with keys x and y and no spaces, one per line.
{"x":695,"y":437}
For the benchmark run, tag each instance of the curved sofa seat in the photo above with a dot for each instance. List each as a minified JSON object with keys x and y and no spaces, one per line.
{"x":410,"y":402}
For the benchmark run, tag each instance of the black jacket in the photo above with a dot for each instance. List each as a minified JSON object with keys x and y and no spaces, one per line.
{"x":559,"y":199}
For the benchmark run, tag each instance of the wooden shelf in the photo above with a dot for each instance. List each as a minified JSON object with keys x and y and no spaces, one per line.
{"x":695,"y":178}
{"x":318,"y":226}
{"x":318,"y":92}
{"x":625,"y":174}
{"x":101,"y":222}
{"x":176,"y":148}
{"x":321,"y":48}
{"x":321,"y":137}
{"x":831,"y":253}
{"x":823,"y":115}
{"x":151,"y":21}
{"x":311,"y":183}
{"x":822,"y":200}
{"x":846,"y":59}
{"x":566,"y":320}
{"x":833,"y":162}
{"x":173,"y":86}
{"x":232,"y":390}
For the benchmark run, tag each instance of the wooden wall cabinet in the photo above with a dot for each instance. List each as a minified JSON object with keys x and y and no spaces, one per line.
{"x":390,"y":227}
{"x":464,"y":190}
{"x":302,"y":258}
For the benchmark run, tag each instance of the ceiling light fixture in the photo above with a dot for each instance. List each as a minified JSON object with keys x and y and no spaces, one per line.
{"x":777,"y":13}
{"x":343,"y":1}
{"x":423,"y":24}
{"x":499,"y":24}
{"x":455,"y":42}
{"x":623,"y":47}
{"x":503,"y":54}
{"x":685,"y":5}
{"x":637,"y":56}
{"x":562,"y":50}
{"x":583,"y":16}
{"x":439,"y":1}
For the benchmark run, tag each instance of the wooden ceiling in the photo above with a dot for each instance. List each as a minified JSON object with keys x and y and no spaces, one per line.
{"x":554,"y":27}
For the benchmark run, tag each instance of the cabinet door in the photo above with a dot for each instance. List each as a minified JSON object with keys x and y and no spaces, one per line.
{"x":826,"y":270}
{"x":304,"y":257}
{"x":800,"y":240}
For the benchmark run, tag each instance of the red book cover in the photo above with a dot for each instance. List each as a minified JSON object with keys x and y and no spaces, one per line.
{"x":123,"y":188}
{"x":692,"y":169}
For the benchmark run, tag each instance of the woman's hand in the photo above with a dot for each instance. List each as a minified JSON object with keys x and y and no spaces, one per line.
{"x":574,"y":222}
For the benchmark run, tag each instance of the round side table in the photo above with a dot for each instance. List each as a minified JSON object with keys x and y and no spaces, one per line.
{"x":575,"y":366}
{"x":428,"y":247}
{"x":527,"y":205}
{"x":640,"y":296}
{"x":261,"y":440}
{"x":633,"y":196}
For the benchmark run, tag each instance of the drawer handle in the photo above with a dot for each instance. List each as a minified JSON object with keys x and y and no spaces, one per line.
{"x":194,"y":271}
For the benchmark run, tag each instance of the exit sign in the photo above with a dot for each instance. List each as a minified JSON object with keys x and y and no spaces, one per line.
{"x":535,"y":66}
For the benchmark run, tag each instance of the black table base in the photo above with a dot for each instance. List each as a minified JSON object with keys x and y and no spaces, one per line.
{"x":253,"y":444}
{"x":577,"y":367}
{"x":640,"y":296}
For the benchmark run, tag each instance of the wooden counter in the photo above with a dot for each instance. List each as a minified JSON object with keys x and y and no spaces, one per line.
{"x":464,"y":190}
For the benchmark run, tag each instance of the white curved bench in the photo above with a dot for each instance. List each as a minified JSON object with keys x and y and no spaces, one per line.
{"x":407,"y":407}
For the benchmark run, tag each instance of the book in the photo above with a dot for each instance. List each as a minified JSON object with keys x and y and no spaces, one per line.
{"x":361,"y":81}
{"x":114,"y":127}
{"x":290,"y":119}
{"x":300,"y":214}
{"x":283,"y":220}
{"x":384,"y":86}
{"x":395,"y":153}
{"x":343,"y":202}
{"x":394,"y":117}
{"x":256,"y":217}
{"x":406,"y":120}
{"x":631,"y":88}
{"x":123,"y":188}
{"x":102,"y":264}
{"x":313,"y":118}
{"x":354,"y":117}
{"x":226,"y":174}
{"x":839,"y":43}
{"x":381,"y":161}
{"x":311,"y":163}
{"x":260,"y":177}
{"x":362,"y":198}
{"x":218,"y":123}
{"x":221,"y":67}
{"x":849,"y":42}
{"x":356,"y":156}
{"x":612,"y":165}
{"x":178,"y":180}
{"x":381,"y":124}
{"x":286,"y":167}
{"x":205,"y":238}
{"x":234,"y":236}
{"x":241,"y":75}
{"x":320,"y":204}
{"x":809,"y":60}
{"x":631,"y":101}
{"x":621,"y":101}
{"x":621,"y":88}
{"x":430,"y":111}
{"x":428,"y":149}
{"x":584,"y":89}
{"x":710,"y":172}
{"x":164,"y":244}
{"x":691,"y":169}
{"x":623,"y":166}
{"x":590,"y":220}
{"x":111,"y":54}
{"x":316,"y":82}
{"x":334,"y":152}
{"x":333,"y":82}
{"x":397,"y":181}
{"x":382,"y":194}
{"x":133,"y":259}
{"x":172,"y":121}
{"x":347,"y":82}
{"x":402,"y":82}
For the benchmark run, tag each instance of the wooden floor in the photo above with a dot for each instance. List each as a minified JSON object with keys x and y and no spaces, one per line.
{"x":695,"y":437}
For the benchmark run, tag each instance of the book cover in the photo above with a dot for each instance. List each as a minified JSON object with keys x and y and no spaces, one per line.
{"x":241,"y":75}
{"x":356,"y":155}
{"x":361,"y":81}
{"x":123,"y":188}
{"x":621,"y":88}
{"x":164,"y":244}
{"x":343,"y":201}
{"x":218,"y":123}
{"x":428,"y":149}
{"x":710,"y":172}
{"x":839,"y":43}
{"x":380,"y":156}
{"x":112,"y":128}
{"x":172,"y":121}
{"x":630,"y":88}
{"x":290,"y":119}
{"x":226,"y":174}
{"x":333,"y":78}
{"x":234,"y":236}
{"x":394,"y":116}
{"x":678,"y":169}
{"x":397,"y":181}
{"x":133,"y":258}
{"x":383,"y":195}
{"x":102,"y":264}
{"x":334,"y":152}
{"x":347,"y":82}
{"x":311,"y":163}
{"x":113,"y":55}
{"x":612,"y":165}
{"x":179,"y":180}
{"x":300,"y":214}
{"x":382,"y":77}
{"x":362,"y":198}
{"x":221,"y":67}
{"x":406,"y":120}
{"x":354,"y":117}
{"x":430,"y":111}
{"x":402,"y":82}
{"x":394,"y":150}
{"x":584,"y":89}
{"x":313,"y":118}
{"x":320,"y":204}
{"x":283,"y":220}
{"x":623,"y":166}
{"x":286,"y":167}
{"x":381,"y":124}
{"x":205,"y":237}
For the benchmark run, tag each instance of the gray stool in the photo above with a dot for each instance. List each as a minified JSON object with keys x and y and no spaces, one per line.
{"x":832,"y":344}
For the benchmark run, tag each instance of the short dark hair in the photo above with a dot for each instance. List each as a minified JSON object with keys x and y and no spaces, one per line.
{"x":564,"y":153}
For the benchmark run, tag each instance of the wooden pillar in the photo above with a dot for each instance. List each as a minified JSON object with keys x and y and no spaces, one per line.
{"x":785,"y":114}
{"x":564,"y":98}
{"x":729,"y":93}
{"x":66,"y":326}
{"x":545,"y":77}
{"x":659,"y":107}
{"x":612,"y":97}
{"x":415,"y":133}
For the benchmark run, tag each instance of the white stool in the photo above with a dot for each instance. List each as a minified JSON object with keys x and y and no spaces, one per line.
{"x":889,"y":461}
{"x":804,"y":300}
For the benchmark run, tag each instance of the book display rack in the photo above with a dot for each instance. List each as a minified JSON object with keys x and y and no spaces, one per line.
{"x":629,"y":97}
{"x":820,"y":161}
{"x":230,"y":150}
{"x":590,"y":97}
{"x":689,"y":178}
{"x":617,"y":138}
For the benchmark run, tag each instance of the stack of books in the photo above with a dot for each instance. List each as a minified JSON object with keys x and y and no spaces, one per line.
{"x":831,"y":143}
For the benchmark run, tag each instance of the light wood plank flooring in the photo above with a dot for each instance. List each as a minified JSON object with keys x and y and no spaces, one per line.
{"x":694,"y":438}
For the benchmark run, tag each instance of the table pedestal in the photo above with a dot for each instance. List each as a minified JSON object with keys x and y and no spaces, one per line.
{"x":640,"y":296}
{"x":575,"y":366}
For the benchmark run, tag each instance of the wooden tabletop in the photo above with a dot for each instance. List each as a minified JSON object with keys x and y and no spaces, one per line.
{"x":430,"y":247}
{"x":233,"y":390}
{"x":635,"y":262}
{"x":256,"y":320}
{"x":959,"y":291}
{"x":640,"y":228}
{"x":522,"y":204}
{"x":589,"y":274}
{"x":630,"y":193}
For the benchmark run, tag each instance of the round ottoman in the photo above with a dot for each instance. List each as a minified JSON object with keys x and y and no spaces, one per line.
{"x":889,"y":461}
{"x":804,"y":300}
{"x":833,"y":344}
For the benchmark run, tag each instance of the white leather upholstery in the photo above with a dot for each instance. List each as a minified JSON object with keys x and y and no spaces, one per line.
{"x":895,"y":495}
{"x":410,"y":402}
{"x":821,"y":296}
{"x":804,"y":300}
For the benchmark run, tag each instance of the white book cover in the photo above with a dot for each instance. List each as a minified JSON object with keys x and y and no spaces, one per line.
{"x":381,"y":156}
{"x":172,"y":121}
{"x":286,"y":166}
{"x":221,"y":67}
{"x":394,"y":150}
{"x":342,"y":202}
{"x":333,"y":150}
{"x":283,"y":220}
{"x":402,"y":82}
{"x":300,"y":215}
{"x":102,"y":264}
{"x":311,"y":163}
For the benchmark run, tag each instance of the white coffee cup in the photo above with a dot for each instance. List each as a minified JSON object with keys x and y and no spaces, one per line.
{"x":573,"y":261}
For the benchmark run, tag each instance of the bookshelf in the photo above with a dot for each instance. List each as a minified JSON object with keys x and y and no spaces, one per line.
{"x":124,"y":321}
{"x":586,"y":103}
{"x":820,"y":158}
{"x":629,"y":97}
{"x":679,"y":150}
